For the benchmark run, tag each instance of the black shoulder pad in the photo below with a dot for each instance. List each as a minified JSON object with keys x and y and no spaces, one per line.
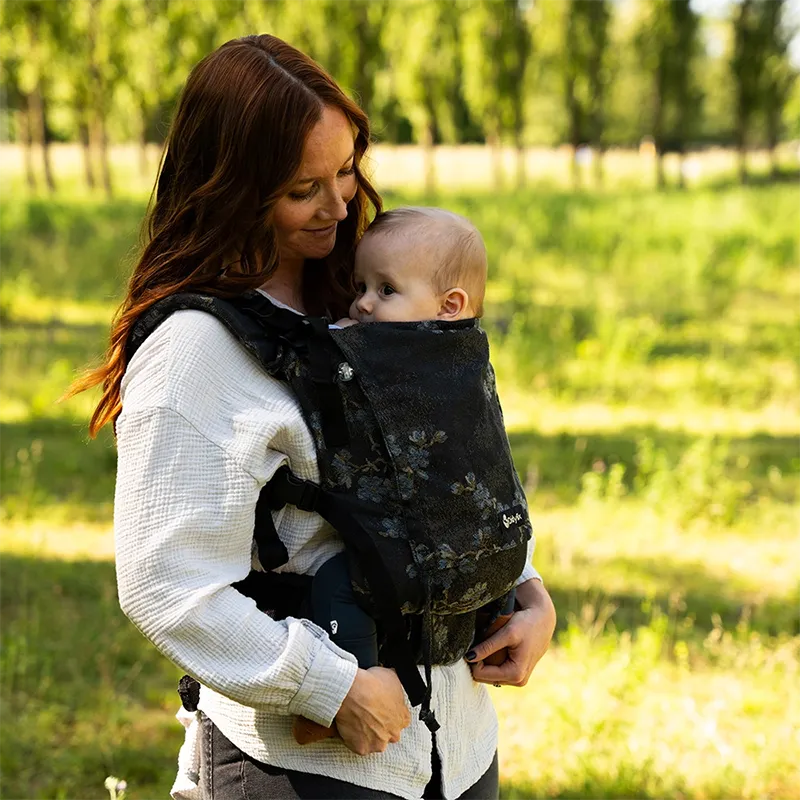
{"x":251,"y":318}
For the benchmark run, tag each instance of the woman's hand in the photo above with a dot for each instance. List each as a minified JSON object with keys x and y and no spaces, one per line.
{"x":374,"y":712}
{"x":527,"y":636}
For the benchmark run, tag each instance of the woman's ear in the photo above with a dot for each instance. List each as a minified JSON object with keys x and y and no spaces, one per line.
{"x":453,"y":305}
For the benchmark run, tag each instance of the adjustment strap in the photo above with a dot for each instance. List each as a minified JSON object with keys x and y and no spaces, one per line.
{"x":272,"y":551}
{"x":318,"y":359}
{"x":334,"y":424}
{"x":285,"y":488}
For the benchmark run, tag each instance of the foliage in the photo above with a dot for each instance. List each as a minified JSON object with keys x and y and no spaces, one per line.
{"x":444,"y":70}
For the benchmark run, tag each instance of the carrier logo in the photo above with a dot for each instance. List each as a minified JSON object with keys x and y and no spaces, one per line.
{"x":513,"y":517}
{"x":334,"y":626}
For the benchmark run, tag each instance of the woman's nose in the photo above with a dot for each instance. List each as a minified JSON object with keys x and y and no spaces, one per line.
{"x":336,"y":206}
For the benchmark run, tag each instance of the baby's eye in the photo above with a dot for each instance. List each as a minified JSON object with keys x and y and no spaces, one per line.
{"x":387,"y":289}
{"x":361,"y":288}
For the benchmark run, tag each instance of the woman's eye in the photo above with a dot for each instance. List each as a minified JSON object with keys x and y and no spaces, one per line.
{"x":345,"y":172}
{"x":387,"y":290}
{"x":304,"y":195}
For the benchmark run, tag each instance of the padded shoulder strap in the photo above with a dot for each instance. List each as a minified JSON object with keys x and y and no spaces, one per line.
{"x":251,"y":318}
{"x":259,"y":326}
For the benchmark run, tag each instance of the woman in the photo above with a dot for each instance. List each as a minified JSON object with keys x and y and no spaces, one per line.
{"x":261,"y":187}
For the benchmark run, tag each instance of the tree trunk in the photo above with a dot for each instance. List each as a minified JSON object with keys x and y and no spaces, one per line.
{"x":497,"y":158}
{"x":363,"y":87}
{"x":105,"y":166}
{"x":681,"y":179}
{"x":742,"y":149}
{"x":658,"y":122}
{"x":144,"y":168}
{"x":83,"y":133}
{"x":774,"y":166}
{"x":574,"y":132}
{"x":599,"y":175}
{"x":27,"y":138}
{"x":428,"y":155}
{"x":660,"y":182}
{"x":773,"y":125}
{"x":575,"y":168}
{"x":519,"y":145}
{"x":39,"y":125}
{"x":48,"y":167}
{"x":522,"y":173}
{"x":96,"y":94}
{"x":742,"y":126}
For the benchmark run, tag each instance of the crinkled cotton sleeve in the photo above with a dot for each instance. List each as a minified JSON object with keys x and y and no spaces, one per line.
{"x":529,"y":570}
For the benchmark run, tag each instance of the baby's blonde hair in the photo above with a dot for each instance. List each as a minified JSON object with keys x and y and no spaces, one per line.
{"x":459,"y":249}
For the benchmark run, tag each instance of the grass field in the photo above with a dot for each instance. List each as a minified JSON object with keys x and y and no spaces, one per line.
{"x":648,"y":356}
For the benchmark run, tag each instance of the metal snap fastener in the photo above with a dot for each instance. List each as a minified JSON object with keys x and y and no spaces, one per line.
{"x":345,"y":372}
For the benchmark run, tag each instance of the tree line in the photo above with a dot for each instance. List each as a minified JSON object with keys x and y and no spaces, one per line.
{"x":595,"y":73}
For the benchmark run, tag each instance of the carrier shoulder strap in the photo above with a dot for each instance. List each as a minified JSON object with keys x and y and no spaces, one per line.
{"x":258,"y":325}
{"x":250,"y":317}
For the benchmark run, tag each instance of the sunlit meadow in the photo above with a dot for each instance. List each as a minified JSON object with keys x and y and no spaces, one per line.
{"x":647,"y":351}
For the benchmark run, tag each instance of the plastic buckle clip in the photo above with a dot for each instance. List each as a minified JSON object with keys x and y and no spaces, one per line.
{"x":308,"y":495}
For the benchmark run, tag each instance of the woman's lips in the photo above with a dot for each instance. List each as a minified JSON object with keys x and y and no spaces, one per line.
{"x":321,"y":233}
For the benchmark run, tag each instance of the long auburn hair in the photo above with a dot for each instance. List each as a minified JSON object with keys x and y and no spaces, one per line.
{"x":233,"y":149}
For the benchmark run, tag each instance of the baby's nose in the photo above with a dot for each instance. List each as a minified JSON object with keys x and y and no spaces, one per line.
{"x":364,"y":303}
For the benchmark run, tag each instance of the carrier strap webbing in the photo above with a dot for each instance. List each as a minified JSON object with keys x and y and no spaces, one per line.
{"x":323,"y":372}
{"x":257,"y":324}
{"x":288,"y":488}
{"x":264,"y":330}
{"x":272,"y":552}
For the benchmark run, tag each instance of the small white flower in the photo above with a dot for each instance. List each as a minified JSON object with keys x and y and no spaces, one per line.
{"x":116,"y":787}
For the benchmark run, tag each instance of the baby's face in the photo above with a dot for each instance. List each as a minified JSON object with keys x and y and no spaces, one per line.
{"x":392,"y":284}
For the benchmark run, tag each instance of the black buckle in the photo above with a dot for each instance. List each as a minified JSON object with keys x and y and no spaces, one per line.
{"x":304,"y":494}
{"x":189,"y":691}
{"x":285,"y":487}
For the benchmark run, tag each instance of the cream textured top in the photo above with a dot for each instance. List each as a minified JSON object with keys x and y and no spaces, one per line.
{"x":203,"y":427}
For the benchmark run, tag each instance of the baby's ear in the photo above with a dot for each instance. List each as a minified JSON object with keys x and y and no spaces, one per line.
{"x":454,"y":304}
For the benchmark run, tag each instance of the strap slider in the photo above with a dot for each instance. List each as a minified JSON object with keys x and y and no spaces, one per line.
{"x":429,"y":718}
{"x":304,"y":494}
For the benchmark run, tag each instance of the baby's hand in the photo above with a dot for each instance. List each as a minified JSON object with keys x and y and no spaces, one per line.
{"x":346,"y":322}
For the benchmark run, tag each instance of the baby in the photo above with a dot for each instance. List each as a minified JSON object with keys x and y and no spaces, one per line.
{"x":412,"y":264}
{"x":417,"y":264}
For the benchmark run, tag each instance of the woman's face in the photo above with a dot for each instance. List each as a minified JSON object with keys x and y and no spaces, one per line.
{"x":306,"y":217}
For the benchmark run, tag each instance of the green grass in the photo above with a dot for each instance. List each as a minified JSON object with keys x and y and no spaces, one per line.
{"x":647,"y":351}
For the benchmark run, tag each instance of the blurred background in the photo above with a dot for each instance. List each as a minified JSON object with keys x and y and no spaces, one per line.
{"x":633,"y":167}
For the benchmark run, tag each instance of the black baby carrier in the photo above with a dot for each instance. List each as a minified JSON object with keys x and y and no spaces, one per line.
{"x":415,"y":472}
